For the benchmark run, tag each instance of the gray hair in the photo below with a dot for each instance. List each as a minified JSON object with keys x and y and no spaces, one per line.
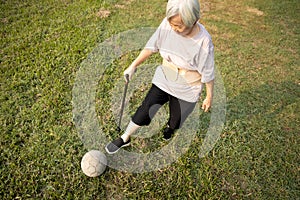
{"x":188,"y":10}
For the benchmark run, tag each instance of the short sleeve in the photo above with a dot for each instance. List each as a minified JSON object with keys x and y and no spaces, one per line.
{"x":206,"y":64}
{"x":155,"y":40}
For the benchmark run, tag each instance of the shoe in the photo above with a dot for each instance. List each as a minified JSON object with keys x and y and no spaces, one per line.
{"x":168,"y":132}
{"x":114,"y":146}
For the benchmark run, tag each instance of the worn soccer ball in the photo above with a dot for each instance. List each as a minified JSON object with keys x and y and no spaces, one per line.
{"x":93,"y":163}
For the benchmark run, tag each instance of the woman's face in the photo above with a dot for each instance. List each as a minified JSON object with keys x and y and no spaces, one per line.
{"x":179,"y":27}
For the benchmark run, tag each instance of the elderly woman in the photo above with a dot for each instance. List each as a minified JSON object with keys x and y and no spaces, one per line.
{"x":188,"y":64}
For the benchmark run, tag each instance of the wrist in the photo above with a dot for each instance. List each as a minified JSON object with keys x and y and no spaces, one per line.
{"x":133,"y":66}
{"x":209,"y":96}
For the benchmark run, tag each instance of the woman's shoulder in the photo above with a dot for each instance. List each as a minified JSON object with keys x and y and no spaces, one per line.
{"x":203,"y":31}
{"x":164,"y":23}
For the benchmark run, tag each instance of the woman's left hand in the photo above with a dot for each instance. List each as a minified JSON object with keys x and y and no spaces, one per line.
{"x":206,"y":105}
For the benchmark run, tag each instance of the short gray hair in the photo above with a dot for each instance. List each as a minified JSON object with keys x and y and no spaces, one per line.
{"x":188,"y":10}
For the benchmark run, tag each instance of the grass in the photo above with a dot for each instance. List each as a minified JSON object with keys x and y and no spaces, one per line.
{"x":256,"y":51}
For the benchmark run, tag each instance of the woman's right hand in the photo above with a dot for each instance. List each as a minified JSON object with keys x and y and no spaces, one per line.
{"x":129,"y":72}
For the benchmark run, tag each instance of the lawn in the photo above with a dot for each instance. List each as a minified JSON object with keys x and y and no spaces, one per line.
{"x":43,"y":47}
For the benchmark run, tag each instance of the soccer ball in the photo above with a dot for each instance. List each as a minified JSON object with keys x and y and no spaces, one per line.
{"x":93,"y":163}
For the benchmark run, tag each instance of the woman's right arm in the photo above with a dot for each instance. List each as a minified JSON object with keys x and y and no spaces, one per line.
{"x":144,"y":54}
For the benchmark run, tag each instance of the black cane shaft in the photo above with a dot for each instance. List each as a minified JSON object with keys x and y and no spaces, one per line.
{"x":123,"y":100}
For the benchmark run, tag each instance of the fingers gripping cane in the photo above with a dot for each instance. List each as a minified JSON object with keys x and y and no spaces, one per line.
{"x":123,"y":102}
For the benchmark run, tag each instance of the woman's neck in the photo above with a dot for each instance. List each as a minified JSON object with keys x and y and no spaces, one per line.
{"x":194,"y":31}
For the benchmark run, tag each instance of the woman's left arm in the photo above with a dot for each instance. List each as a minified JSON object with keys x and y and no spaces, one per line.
{"x":207,"y":103}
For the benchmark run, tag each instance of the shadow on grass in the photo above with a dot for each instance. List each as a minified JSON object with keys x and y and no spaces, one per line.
{"x":267,"y":101}
{"x":261,"y":138}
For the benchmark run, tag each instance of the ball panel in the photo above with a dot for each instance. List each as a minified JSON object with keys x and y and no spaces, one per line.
{"x":93,"y":163}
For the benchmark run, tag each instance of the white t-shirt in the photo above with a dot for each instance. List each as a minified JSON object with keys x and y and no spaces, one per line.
{"x":196,"y":53}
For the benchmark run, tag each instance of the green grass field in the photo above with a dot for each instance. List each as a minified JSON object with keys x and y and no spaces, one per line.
{"x":43,"y":44}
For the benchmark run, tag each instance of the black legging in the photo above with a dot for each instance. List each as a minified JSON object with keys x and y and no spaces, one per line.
{"x":156,"y":98}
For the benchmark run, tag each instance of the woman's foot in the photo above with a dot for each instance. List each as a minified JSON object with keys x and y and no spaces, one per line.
{"x":116,"y":145}
{"x":168,"y":132}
